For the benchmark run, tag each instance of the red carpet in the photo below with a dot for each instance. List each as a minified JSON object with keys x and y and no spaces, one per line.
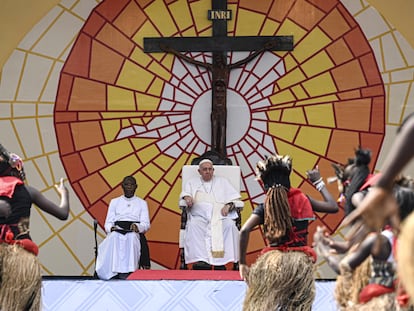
{"x":185,"y":275}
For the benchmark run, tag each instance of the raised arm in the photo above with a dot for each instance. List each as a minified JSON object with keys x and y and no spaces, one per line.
{"x":168,"y":49}
{"x":269,"y":45}
{"x":60,"y":211}
{"x":379,"y":206}
{"x":328,"y":205}
{"x":400,"y":154}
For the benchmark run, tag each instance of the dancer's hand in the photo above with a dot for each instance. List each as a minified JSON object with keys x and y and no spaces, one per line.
{"x":314,"y":175}
{"x":378,"y":208}
{"x":61,"y":188}
{"x":244,"y":272}
{"x":321,"y":242}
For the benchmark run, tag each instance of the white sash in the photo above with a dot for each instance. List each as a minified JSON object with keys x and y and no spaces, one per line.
{"x":216,"y":224}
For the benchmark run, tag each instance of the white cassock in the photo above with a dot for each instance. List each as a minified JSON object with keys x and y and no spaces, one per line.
{"x":120,"y":253}
{"x":209,"y":236}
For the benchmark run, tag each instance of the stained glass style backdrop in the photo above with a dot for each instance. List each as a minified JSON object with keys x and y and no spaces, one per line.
{"x":80,"y":99}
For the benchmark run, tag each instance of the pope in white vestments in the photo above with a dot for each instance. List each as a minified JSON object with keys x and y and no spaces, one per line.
{"x":119,"y":253}
{"x":211,"y":235}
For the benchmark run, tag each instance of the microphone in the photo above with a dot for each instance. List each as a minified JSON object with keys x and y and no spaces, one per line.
{"x":95,"y":224}
{"x":95,"y":227}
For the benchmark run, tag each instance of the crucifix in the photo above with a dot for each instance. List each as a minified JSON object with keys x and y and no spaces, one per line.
{"x":219,"y":44}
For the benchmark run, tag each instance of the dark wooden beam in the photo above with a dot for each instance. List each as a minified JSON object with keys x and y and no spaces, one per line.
{"x":218,"y":44}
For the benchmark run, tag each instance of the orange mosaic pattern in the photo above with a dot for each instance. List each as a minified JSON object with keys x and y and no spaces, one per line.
{"x":111,"y":120}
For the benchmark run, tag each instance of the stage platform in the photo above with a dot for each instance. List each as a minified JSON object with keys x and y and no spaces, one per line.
{"x":165,"y":290}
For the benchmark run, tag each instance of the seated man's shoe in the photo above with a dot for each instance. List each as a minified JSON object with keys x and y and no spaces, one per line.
{"x":201,"y":265}
{"x":123,"y":276}
{"x":220,"y":267}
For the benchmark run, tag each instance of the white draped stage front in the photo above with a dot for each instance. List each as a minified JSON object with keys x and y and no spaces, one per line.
{"x":165,"y":290}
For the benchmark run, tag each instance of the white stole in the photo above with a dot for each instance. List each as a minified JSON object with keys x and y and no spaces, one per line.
{"x":216,"y":224}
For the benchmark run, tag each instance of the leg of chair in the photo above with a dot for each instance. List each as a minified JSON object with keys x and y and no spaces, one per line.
{"x":238,"y":219}
{"x":183,"y":265}
{"x":144,"y":260}
{"x":238,"y":225}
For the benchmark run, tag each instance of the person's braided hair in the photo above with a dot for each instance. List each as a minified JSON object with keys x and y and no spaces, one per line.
{"x":274,"y":172}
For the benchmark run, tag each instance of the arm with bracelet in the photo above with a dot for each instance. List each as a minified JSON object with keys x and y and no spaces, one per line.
{"x":328,"y":205}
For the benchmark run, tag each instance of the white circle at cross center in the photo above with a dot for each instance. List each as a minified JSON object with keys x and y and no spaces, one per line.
{"x":238,"y":117}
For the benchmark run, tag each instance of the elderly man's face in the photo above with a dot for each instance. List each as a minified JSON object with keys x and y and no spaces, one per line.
{"x":206,"y":171}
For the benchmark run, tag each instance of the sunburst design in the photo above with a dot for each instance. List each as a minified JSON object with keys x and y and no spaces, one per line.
{"x":186,"y":104}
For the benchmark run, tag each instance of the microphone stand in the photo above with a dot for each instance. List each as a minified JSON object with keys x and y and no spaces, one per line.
{"x":95,"y":228}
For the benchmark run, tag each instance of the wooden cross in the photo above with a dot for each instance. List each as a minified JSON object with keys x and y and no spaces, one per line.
{"x":219,"y":44}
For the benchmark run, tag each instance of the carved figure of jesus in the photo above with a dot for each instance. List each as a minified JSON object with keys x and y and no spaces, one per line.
{"x":220,"y":72}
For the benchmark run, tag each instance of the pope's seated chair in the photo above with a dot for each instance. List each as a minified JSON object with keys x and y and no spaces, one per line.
{"x":233,"y":174}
